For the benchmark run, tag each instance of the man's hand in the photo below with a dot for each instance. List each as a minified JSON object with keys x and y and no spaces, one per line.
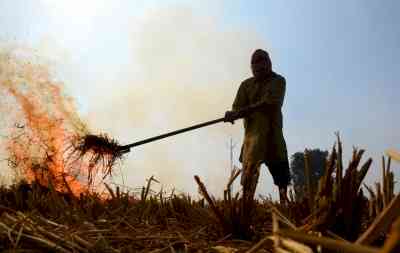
{"x":231,"y":116}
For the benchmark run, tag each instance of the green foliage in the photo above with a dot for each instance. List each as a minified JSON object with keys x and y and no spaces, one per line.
{"x":317,"y":160}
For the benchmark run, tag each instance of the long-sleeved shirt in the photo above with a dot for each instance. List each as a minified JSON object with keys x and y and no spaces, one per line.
{"x":264,"y":139}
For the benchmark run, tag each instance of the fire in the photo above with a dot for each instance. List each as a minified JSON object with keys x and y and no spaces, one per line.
{"x":45,"y":121}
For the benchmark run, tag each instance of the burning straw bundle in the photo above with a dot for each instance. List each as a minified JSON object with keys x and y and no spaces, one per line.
{"x":101,"y":151}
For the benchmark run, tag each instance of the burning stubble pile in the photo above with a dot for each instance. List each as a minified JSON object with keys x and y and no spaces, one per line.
{"x":56,"y":208}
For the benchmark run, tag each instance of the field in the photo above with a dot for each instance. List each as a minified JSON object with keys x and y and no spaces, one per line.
{"x":339,"y":215}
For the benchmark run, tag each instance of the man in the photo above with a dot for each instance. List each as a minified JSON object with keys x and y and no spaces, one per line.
{"x":259,"y":100}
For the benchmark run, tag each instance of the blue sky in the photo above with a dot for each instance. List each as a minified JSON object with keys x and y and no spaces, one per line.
{"x":340,"y":59}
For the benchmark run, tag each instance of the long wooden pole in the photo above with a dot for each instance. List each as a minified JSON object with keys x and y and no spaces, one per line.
{"x":162,"y":136}
{"x":240,"y":114}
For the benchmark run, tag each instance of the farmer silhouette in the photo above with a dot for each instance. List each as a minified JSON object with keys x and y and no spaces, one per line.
{"x":263,"y":141}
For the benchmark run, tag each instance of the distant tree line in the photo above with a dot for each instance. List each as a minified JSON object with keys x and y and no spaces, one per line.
{"x":317,"y":163}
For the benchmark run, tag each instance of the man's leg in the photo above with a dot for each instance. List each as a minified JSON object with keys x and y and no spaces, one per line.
{"x":249,"y":179}
{"x":281,"y":176}
{"x":278,"y":163}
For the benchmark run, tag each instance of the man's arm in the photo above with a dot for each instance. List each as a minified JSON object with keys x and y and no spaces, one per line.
{"x":239,"y":103}
{"x":273,"y":98}
{"x":240,"y":99}
{"x":276,"y":94}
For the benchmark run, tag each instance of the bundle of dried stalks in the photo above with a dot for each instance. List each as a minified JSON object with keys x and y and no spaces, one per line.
{"x":285,"y":240}
{"x":123,"y":222}
{"x":338,"y":204}
{"x":384,"y":191}
{"x":235,"y":218}
{"x":101,"y":151}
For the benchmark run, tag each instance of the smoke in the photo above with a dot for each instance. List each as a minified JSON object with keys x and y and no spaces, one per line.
{"x":184,"y":67}
{"x":187,"y":67}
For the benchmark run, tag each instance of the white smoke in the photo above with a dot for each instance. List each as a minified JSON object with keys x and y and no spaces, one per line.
{"x":190,"y":66}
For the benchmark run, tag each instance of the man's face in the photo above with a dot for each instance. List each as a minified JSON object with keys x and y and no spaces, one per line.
{"x":260,"y":65}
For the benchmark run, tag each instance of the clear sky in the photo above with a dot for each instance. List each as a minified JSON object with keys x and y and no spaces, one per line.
{"x":141,"y":68}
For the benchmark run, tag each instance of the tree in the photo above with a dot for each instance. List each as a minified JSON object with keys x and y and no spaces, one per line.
{"x":317,"y":159}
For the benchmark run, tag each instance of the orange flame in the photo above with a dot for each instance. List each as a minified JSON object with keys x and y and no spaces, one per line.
{"x":47,"y":121}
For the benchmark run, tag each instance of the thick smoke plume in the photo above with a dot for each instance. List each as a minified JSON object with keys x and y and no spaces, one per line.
{"x":186,"y":67}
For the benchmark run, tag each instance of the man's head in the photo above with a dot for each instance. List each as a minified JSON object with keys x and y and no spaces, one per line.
{"x":261,"y":64}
